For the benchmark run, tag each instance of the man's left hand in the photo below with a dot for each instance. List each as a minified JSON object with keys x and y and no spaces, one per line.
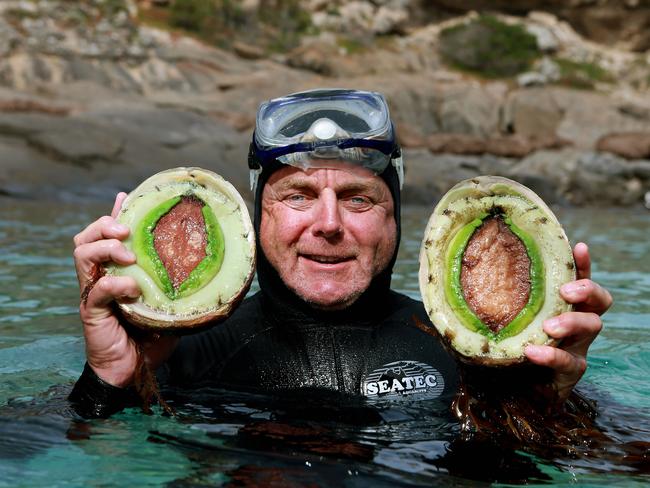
{"x":576,"y":330}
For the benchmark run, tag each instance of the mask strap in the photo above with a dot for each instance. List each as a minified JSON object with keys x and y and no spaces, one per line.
{"x":254,"y":176}
{"x":398,"y":162}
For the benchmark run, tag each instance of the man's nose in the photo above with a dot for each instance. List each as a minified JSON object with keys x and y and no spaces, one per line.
{"x":328,"y":218}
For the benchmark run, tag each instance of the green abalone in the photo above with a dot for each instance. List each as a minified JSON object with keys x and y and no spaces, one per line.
{"x":194,"y":245}
{"x":492,"y":261}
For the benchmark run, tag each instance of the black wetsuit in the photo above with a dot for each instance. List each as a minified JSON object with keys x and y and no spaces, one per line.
{"x":275,"y":342}
{"x":379,"y":352}
{"x":265,"y":347}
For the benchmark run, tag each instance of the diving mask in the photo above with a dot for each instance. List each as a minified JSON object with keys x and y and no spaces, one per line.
{"x":320,"y":128}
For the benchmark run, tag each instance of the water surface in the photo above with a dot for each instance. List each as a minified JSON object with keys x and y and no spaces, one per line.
{"x":225,"y":438}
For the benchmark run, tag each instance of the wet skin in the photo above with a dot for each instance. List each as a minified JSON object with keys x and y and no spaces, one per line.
{"x":328,"y":232}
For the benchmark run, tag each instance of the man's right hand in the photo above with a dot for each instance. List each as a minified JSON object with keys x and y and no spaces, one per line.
{"x":110,"y":351}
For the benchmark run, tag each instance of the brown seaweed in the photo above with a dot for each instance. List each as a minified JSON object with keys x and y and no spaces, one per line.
{"x":518,"y":407}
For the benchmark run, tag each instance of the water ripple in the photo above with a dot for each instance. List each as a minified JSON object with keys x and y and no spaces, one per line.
{"x":41,"y":354}
{"x":22,"y":259}
{"x":21,"y":304}
{"x":41,"y":346}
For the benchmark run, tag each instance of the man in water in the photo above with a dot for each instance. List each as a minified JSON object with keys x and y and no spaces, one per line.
{"x":327,"y":173}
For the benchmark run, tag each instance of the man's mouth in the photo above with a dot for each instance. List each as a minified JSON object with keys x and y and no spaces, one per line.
{"x":326,"y":259}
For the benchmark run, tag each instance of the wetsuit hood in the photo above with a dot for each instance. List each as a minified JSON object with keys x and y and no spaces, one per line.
{"x":279,"y":297}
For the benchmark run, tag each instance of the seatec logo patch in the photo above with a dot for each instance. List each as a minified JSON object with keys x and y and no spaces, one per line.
{"x":403,"y":379}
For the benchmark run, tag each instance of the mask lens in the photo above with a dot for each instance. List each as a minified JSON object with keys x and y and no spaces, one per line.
{"x":348,"y":122}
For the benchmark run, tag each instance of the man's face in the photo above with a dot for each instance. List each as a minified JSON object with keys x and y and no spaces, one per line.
{"x":327,"y":232}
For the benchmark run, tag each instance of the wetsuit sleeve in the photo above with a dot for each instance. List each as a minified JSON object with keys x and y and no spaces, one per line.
{"x":92,"y":397}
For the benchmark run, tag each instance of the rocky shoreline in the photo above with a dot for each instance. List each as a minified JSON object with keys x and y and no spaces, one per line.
{"x":86,"y":112}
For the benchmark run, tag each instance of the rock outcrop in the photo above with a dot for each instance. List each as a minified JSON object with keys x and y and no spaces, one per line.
{"x":93,"y":106}
{"x":624,"y":23}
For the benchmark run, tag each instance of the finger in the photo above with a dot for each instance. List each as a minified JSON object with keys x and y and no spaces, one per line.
{"x":86,"y":256}
{"x":119,"y":198}
{"x":587,"y":296}
{"x":107,"y":289}
{"x":577,"y":330}
{"x":562,"y":362}
{"x":103,"y":228}
{"x":568,"y":368}
{"x":573,"y":323}
{"x":583,"y":261}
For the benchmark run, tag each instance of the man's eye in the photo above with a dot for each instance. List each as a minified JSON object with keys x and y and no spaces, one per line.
{"x":297,"y":200}
{"x":358,"y":201}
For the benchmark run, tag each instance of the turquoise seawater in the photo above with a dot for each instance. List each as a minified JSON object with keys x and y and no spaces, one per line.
{"x":224,"y":438}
